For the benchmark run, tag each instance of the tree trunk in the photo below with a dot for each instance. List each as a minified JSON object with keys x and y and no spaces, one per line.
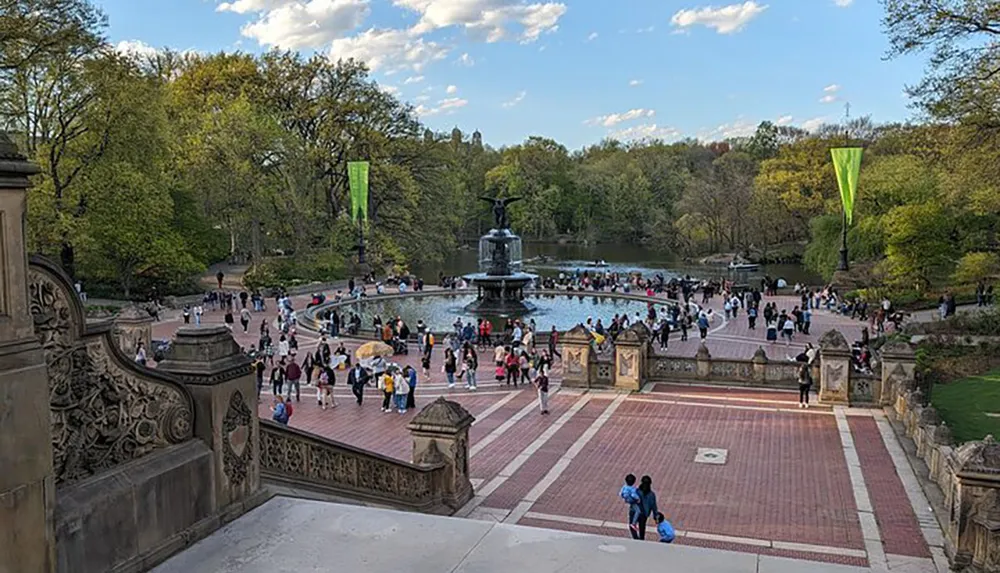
{"x":68,"y":258}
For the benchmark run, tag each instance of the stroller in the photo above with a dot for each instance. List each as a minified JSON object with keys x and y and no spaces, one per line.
{"x":398,"y":346}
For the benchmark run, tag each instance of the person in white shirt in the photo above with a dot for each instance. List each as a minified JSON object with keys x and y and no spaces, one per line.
{"x":140,"y":353}
{"x":198,"y":311}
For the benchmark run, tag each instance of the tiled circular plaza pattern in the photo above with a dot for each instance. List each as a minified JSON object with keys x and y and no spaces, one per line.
{"x":787,"y":487}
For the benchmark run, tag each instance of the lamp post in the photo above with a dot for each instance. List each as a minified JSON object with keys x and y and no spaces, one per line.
{"x":843,"y":265}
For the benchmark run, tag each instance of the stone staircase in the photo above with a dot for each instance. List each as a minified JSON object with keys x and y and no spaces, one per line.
{"x":299,"y":535}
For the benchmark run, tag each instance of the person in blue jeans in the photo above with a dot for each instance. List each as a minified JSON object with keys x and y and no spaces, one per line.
{"x":630,"y":495}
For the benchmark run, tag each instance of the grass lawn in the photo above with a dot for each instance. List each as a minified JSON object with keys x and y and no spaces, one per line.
{"x":964,"y":403}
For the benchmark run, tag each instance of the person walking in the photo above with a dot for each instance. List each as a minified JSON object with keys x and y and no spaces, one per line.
{"x":554,"y":343}
{"x":647,"y":502}
{"x":542,"y":383}
{"x":411,"y":381}
{"x":277,"y":378}
{"x":259,"y":366}
{"x":245,"y":319}
{"x":805,"y":384}
{"x":293,"y":375}
{"x":357,"y":379}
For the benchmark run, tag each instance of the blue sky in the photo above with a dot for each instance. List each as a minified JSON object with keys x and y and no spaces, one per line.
{"x":575,"y":70}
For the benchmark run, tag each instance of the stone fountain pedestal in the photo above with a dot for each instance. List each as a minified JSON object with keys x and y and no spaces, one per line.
{"x":500,"y":284}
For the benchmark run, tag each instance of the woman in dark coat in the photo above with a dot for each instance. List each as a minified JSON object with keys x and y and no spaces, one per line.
{"x":648,"y":499}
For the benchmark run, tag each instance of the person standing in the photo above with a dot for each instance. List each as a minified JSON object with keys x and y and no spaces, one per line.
{"x":357,"y":379}
{"x":140,"y":354}
{"x":245,"y":319}
{"x":293,"y":374}
{"x":703,"y":325}
{"x":450,"y":366}
{"x":259,"y":367}
{"x":554,"y":342}
{"x":752,"y":317}
{"x":471,"y":363}
{"x":401,"y":390}
{"x":277,"y":378}
{"x":198,"y":311}
{"x":805,"y":383}
{"x":218,"y":277}
{"x":386,"y":383}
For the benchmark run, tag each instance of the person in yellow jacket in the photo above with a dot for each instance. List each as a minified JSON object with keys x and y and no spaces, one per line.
{"x":386,"y":384}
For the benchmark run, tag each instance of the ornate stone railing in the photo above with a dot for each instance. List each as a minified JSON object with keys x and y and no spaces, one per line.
{"x":704,"y":368}
{"x":298,"y":459}
{"x":105,"y":409}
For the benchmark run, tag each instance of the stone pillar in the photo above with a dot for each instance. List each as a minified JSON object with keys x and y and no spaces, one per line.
{"x":576,"y":351}
{"x":134,"y":325}
{"x":219,"y":377}
{"x":835,"y":368}
{"x":899,"y":365}
{"x":631,"y":351}
{"x":704,"y":361}
{"x":27,"y":484}
{"x":759,"y":362}
{"x":441,"y":435}
{"x":972,"y":537}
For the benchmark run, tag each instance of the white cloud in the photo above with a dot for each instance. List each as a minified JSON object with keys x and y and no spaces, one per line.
{"x":635,"y":83}
{"x":832,"y":88}
{"x":813,"y":124}
{"x":725,"y":20}
{"x":592,"y":36}
{"x":135,"y":48}
{"x":616,"y":118}
{"x":489,"y":19}
{"x":392,"y":90}
{"x":447,"y":105}
{"x":645,"y":131}
{"x":466,"y":60}
{"x":451,"y":90}
{"x":829,"y":98}
{"x":739,"y":128}
{"x":843,"y":3}
{"x":389,"y":50}
{"x":517,"y":99}
{"x":298,"y":24}
{"x":783,"y":120}
{"x":413,"y":80}
{"x":421,"y":98}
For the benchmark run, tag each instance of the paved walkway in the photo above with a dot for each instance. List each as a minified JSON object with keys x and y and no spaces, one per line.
{"x":299,"y":535}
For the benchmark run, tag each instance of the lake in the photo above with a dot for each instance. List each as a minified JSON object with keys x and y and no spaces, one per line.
{"x":620,"y":258}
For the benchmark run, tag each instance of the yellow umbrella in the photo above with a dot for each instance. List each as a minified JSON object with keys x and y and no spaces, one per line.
{"x":373,"y":349}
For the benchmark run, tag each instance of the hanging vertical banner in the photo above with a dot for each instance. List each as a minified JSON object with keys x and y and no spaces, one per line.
{"x":847,"y":163}
{"x":357,"y":174}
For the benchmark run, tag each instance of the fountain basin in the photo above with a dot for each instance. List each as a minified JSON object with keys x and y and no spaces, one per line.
{"x":501,"y":295}
{"x":440,"y":309}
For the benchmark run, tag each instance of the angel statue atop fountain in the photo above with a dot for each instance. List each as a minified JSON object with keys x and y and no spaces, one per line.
{"x":500,"y":210}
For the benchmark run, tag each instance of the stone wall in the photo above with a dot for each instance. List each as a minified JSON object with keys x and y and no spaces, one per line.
{"x":967,"y":476}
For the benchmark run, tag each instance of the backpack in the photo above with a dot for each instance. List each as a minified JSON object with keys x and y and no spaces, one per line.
{"x":288,"y":410}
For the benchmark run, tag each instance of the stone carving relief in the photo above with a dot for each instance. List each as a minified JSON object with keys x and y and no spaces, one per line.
{"x":626,"y":363}
{"x":861,"y":390}
{"x":667,"y":366}
{"x":102,"y":414}
{"x":834,"y":377}
{"x":574,"y":361}
{"x":603,"y":371}
{"x":237,"y":439}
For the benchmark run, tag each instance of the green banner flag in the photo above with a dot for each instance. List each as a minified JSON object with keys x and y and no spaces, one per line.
{"x":357,"y":174}
{"x":847,"y":163}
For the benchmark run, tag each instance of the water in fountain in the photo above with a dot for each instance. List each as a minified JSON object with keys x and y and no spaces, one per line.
{"x":500,"y":283}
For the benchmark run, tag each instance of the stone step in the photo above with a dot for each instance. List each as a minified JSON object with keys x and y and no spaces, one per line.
{"x":288,"y":534}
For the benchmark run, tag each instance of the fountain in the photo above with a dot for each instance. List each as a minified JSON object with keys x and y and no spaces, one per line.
{"x":500,"y":282}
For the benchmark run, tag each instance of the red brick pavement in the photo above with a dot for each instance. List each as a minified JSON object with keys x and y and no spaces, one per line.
{"x":651,"y":537}
{"x":528,"y":475}
{"x":504,"y":413}
{"x":498,"y":454}
{"x":897,"y":523}
{"x":785,"y":479}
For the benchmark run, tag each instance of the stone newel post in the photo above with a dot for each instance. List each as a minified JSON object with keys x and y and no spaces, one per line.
{"x":972,"y":536}
{"x":441,"y":435}
{"x":835,"y":368}
{"x":576,"y":357}
{"x":631,"y":351}
{"x":134,"y":325}
{"x":218,"y":375}
{"x":759,"y":362}
{"x":703,"y":362}
{"x":899,"y":365}
{"x":27,"y":484}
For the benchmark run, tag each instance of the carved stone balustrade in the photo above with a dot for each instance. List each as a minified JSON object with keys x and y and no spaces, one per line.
{"x":576,"y":358}
{"x":441,"y":434}
{"x":631,"y":352}
{"x":973,"y":532}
